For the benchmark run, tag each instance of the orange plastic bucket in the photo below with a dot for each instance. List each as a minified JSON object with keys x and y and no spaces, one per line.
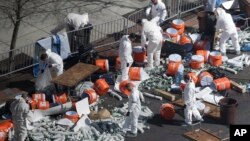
{"x":139,"y":54}
{"x":91,"y":94}
{"x":173,"y":33}
{"x":185,"y":40}
{"x":123,"y":88}
{"x":197,"y":62}
{"x":5,"y":126}
{"x":173,"y":68}
{"x":61,"y":98}
{"x":215,"y":58}
{"x":179,"y":25}
{"x":167,"y":111}
{"x":174,"y":58}
{"x":32,"y":104}
{"x":118,"y":63}
{"x":194,"y":77}
{"x":221,"y":84}
{"x":72,"y":115}
{"x":134,"y":73}
{"x":103,"y":64}
{"x":42,"y":105}
{"x":101,"y":86}
{"x":204,"y":53}
{"x":205,"y":78}
{"x":38,"y":97}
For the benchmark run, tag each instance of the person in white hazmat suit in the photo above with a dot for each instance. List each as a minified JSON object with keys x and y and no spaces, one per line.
{"x":158,"y":11}
{"x":71,"y":22}
{"x":226,"y":24}
{"x":189,"y":101}
{"x":75,"y":21}
{"x":134,"y":108}
{"x":125,"y":54}
{"x":153,"y":33}
{"x":54,"y":62}
{"x":19,"y":110}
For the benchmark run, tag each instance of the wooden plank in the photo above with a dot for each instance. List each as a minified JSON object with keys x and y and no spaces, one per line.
{"x":75,"y":74}
{"x":201,"y":135}
{"x":165,"y":94}
{"x":237,"y":87}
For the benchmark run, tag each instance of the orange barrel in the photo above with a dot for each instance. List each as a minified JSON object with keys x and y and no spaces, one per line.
{"x":139,"y":54}
{"x":202,"y":45}
{"x":167,"y":111}
{"x":173,"y":33}
{"x":173,"y":68}
{"x":197,"y":62}
{"x":32,"y":104}
{"x":42,"y":105}
{"x":61,"y":98}
{"x":5,"y":126}
{"x":123,"y":88}
{"x":179,"y":25}
{"x":194,"y":77}
{"x":174,"y":58}
{"x":72,"y":115}
{"x":184,"y":39}
{"x":204,"y":53}
{"x":38,"y":97}
{"x":215,"y":58}
{"x":221,"y":84}
{"x":134,"y":73}
{"x":101,"y":86}
{"x":103,"y":64}
{"x":91,"y":94}
{"x":205,"y":78}
{"x":118,"y":63}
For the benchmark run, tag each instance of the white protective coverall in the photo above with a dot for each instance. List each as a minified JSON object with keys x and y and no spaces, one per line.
{"x":134,"y":107}
{"x":72,"y":21}
{"x":158,"y":12}
{"x":56,"y":62}
{"x":19,"y":109}
{"x":225,"y":22}
{"x":152,"y":32}
{"x":125,"y":54}
{"x":189,"y":100}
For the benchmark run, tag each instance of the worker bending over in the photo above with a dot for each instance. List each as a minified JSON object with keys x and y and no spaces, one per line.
{"x":158,"y":11}
{"x":226,"y":24}
{"x":134,"y":108}
{"x":189,"y":101}
{"x":152,"y":32}
{"x":53,"y":61}
{"x":125,"y":54}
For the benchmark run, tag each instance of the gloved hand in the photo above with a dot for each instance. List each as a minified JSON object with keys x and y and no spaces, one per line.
{"x":127,"y":114}
{"x":127,"y":64}
{"x":42,"y":70}
{"x":50,"y":66}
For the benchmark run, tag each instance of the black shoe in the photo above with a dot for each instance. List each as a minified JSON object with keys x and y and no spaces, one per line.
{"x":131,"y":135}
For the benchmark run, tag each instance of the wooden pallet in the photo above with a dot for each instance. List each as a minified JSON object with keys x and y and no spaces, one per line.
{"x":201,"y":135}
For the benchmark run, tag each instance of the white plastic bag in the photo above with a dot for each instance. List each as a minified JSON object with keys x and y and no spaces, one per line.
{"x":43,"y":80}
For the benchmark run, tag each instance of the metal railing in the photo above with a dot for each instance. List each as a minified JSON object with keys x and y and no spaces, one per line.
{"x":102,"y":35}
